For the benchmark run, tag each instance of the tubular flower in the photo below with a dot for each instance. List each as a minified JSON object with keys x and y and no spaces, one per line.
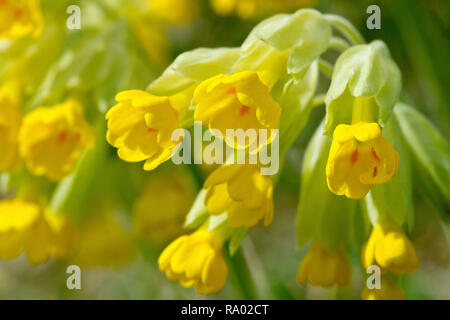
{"x":104,"y":242}
{"x":321,"y":267}
{"x":390,"y":248}
{"x":140,"y":126}
{"x":238,"y":101}
{"x":160,"y":211}
{"x":387,"y":291}
{"x":10,"y":118}
{"x":52,"y":139}
{"x":19,"y":18}
{"x":242,"y":192}
{"x":359,"y":157}
{"x":26,"y":227}
{"x":196,"y":260}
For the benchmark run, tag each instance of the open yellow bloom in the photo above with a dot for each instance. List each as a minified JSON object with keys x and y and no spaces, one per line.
{"x":321,"y":267}
{"x":140,"y":126}
{"x":237,"y":101}
{"x":52,"y":139}
{"x":242,"y":192}
{"x":359,"y":157}
{"x":10,"y":119}
{"x":26,"y":227}
{"x":160,"y":211}
{"x":387,"y":291}
{"x":390,"y":248}
{"x":196,"y":260}
{"x":19,"y":18}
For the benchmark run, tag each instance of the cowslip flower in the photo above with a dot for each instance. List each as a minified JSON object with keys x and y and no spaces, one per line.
{"x":103,"y":241}
{"x":10,"y":119}
{"x":160,"y":210}
{"x":389,"y":247}
{"x":27,"y":227}
{"x":140,"y":126}
{"x":387,"y":291}
{"x":237,"y":101}
{"x":176,"y":12}
{"x":196,"y":260}
{"x":325,"y":268}
{"x":52,"y":139}
{"x":242,"y":192}
{"x":359,"y":157}
{"x":19,"y":18}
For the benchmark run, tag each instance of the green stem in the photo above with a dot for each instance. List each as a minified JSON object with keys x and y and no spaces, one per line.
{"x":339,"y":44}
{"x":326,"y":68}
{"x":241,"y":277}
{"x":346,"y":28}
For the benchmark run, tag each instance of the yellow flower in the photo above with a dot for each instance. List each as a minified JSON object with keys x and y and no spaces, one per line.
{"x":238,"y":101}
{"x":359,"y":157}
{"x":26,"y":227}
{"x":196,"y":260}
{"x":141,"y":127}
{"x":162,"y":206}
{"x":176,"y":12}
{"x":52,"y":139}
{"x":390,"y":248}
{"x":321,"y":267}
{"x":387,"y":291}
{"x":242,"y":192}
{"x":10,"y":119}
{"x":104,"y":241}
{"x":19,"y":18}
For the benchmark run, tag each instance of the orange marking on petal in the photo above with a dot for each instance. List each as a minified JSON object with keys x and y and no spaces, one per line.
{"x":231,"y":90}
{"x":375,"y":172}
{"x":243,"y":110}
{"x":151,"y":130}
{"x":374,"y":154}
{"x":63,"y":136}
{"x":354,"y":156}
{"x":18,"y":13}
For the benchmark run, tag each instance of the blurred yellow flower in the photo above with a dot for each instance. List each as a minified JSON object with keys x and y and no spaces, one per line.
{"x":196,"y":260}
{"x":249,"y":9}
{"x":162,"y":205}
{"x":387,"y":291}
{"x":242,"y":192}
{"x":10,"y":119}
{"x":325,"y":268}
{"x":140,"y":126}
{"x":359,"y":157}
{"x":19,"y":18}
{"x":176,"y":12}
{"x":238,"y":101}
{"x":390,"y":248}
{"x":52,"y":139}
{"x":26,"y":227}
{"x":104,"y":242}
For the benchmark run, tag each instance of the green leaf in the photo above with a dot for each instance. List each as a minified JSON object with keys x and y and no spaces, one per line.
{"x":198,"y":213}
{"x":431,"y":154}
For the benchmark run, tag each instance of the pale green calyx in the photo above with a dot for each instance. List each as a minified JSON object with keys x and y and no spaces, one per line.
{"x":366,"y":72}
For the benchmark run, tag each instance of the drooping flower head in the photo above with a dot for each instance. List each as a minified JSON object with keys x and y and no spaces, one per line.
{"x":237,"y":101}
{"x":196,"y":260}
{"x":359,"y":157}
{"x":19,"y":18}
{"x":140,"y":126}
{"x":10,"y":119}
{"x":161,"y":208}
{"x":390,"y":248}
{"x":242,"y":192}
{"x":325,"y":268}
{"x":52,"y":139}
{"x":387,"y":291}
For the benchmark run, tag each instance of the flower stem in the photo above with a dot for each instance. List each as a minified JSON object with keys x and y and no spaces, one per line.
{"x":346,"y":28}
{"x":326,"y":68}
{"x":241,"y":277}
